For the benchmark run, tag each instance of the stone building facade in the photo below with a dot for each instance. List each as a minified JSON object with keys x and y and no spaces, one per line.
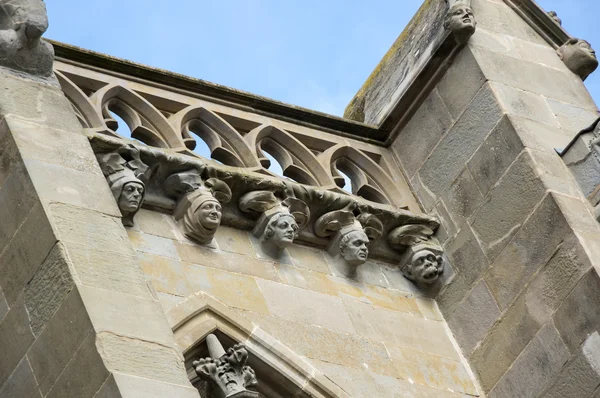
{"x":463,"y":260}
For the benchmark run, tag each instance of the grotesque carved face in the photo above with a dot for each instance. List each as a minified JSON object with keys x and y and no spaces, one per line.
{"x":281,"y":230}
{"x":461,"y":21}
{"x":579,"y":57}
{"x":425,"y":267}
{"x":354,"y":248}
{"x":131,"y":197}
{"x":209,"y":214}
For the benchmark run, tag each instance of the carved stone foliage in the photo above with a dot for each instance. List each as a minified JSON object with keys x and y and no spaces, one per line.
{"x":422,"y":259}
{"x":460,"y":21}
{"x":22,"y":24}
{"x":227,"y":371}
{"x":179,"y":131}
{"x":579,"y":57}
{"x":125,"y":173}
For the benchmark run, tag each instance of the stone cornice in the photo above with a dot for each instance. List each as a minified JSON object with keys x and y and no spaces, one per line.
{"x":540,"y":21}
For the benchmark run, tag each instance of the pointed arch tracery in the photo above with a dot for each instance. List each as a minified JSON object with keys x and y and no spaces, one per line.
{"x":87,"y":115}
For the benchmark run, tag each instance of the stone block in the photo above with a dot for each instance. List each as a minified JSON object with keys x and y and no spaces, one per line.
{"x":554,"y":174}
{"x":69,"y":149}
{"x":126,"y":315}
{"x":15,"y":339}
{"x":503,"y":344}
{"x":21,"y":259}
{"x":35,"y":102}
{"x":422,"y":133}
{"x":3,"y":306}
{"x":22,"y":383}
{"x":153,"y":244}
{"x":49,"y":287}
{"x":542,"y":54}
{"x":461,"y":82}
{"x":398,"y":281}
{"x":467,"y":256}
{"x":453,"y":294}
{"x":574,"y":319}
{"x":431,"y":370}
{"x":168,"y":301}
{"x":132,"y":386}
{"x":580,"y":377}
{"x":10,"y":158}
{"x":85,"y":373}
{"x":474,"y":317}
{"x":447,"y":228}
{"x":305,"y":306}
{"x":247,"y":265}
{"x":109,"y":389}
{"x":17,"y":198}
{"x":426,"y":197}
{"x":461,"y":142}
{"x":534,"y":78}
{"x":235,"y":241}
{"x":532,"y":247}
{"x":155,"y":223}
{"x":507,"y":206}
{"x":572,"y":119}
{"x":88,"y":229}
{"x":540,"y":136}
{"x":59,"y":341}
{"x":401,"y":329}
{"x":462,"y":198}
{"x":535,"y":367}
{"x":496,"y":154}
{"x":308,"y":258}
{"x":521,"y":103}
{"x":142,"y":359}
{"x":429,"y":309}
{"x":492,"y":41}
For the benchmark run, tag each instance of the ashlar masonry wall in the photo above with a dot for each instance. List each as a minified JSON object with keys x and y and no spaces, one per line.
{"x":480,"y":152}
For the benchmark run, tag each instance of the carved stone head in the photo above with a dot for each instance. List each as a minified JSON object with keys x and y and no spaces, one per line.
{"x":554,"y":16}
{"x":129,"y":192}
{"x":354,"y":247}
{"x":460,"y":20}
{"x":203,"y":216}
{"x":424,"y":266}
{"x":281,"y":230}
{"x":579,"y":57}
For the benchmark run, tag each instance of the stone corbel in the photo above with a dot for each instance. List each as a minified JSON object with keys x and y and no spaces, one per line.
{"x":227,"y":372}
{"x":460,"y":20}
{"x":280,"y":220}
{"x":579,"y":56}
{"x":351,"y":236}
{"x":199,"y":204}
{"x":422,"y":260}
{"x":126,"y":175}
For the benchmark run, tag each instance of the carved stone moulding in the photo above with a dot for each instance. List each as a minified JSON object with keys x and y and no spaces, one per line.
{"x":227,"y":371}
{"x":460,"y":20}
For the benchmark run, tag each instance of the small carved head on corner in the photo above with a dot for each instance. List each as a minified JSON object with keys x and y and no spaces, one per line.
{"x":554,"y":16}
{"x":460,"y":20}
{"x":424,"y":267}
{"x":281,"y":230}
{"x":579,"y":57}
{"x":129,"y":193}
{"x":354,"y":247}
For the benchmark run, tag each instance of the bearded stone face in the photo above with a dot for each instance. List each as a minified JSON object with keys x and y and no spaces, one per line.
{"x":425,"y":267}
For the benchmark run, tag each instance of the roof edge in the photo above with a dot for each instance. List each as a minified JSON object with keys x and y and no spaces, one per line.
{"x":540,"y":21}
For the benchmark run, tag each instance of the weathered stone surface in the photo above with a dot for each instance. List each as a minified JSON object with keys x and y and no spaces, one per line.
{"x":59,"y":341}
{"x":155,"y":223}
{"x":109,"y":389}
{"x":307,"y":258}
{"x":538,"y":53}
{"x":521,"y":103}
{"x":48,"y":288}
{"x":459,"y":144}
{"x":532,"y":247}
{"x":508,"y":205}
{"x":132,"y":386}
{"x":572,"y":119}
{"x":3,"y":306}
{"x":431,"y":370}
{"x":20,"y":260}
{"x":462,"y":198}
{"x":293,"y":303}
{"x":503,"y":343}
{"x":466,"y":255}
{"x":84,"y":375}
{"x":580,"y":377}
{"x":474,"y":317}
{"x":535,"y":367}
{"x":540,"y":136}
{"x":453,"y":294}
{"x":15,"y":339}
{"x":142,"y":359}
{"x":465,"y":70}
{"x":153,"y":244}
{"x":427,"y":198}
{"x":126,"y":315}
{"x":234,"y":241}
{"x":553,"y":173}
{"x":496,"y":154}
{"x":573,"y":319}
{"x":22,"y":383}
{"x":422,"y":133}
{"x":492,"y":41}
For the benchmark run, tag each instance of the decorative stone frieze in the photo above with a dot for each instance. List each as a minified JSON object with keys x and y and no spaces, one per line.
{"x":460,"y":21}
{"x":22,"y":24}
{"x":422,"y":260}
{"x":125,"y":173}
{"x":280,"y":220}
{"x":227,"y":372}
{"x":579,"y":57}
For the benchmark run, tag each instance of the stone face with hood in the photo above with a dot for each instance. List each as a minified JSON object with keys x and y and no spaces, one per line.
{"x":129,"y":192}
